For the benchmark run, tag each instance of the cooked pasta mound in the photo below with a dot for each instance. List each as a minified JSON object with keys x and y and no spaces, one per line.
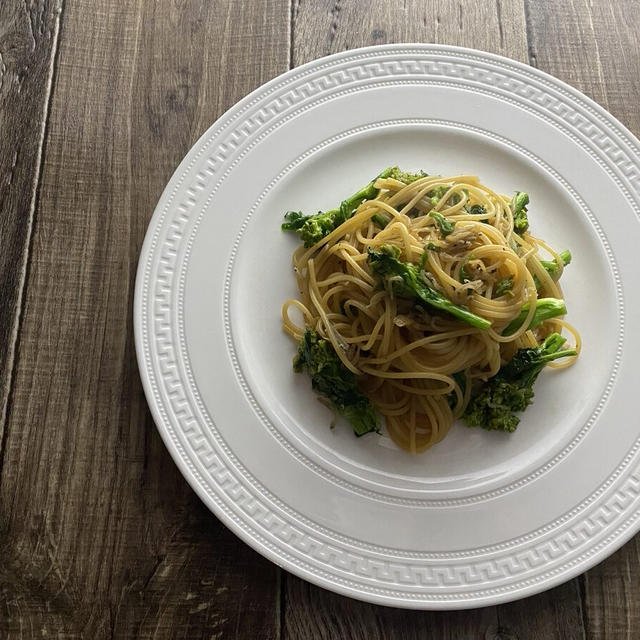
{"x":425,"y":299}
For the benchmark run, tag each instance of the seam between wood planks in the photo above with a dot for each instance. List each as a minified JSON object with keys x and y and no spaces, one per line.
{"x":293,"y":10}
{"x":531,"y":54}
{"x":582,"y":599}
{"x":24,"y":270}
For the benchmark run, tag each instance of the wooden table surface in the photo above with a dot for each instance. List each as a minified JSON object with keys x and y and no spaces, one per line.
{"x":100,"y":537}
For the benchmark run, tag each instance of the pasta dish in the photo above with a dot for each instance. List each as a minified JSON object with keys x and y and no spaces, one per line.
{"x":424,"y":299}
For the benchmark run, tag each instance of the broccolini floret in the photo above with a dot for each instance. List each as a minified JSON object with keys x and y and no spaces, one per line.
{"x":330,"y":378}
{"x":385,"y":264}
{"x":405,"y":176}
{"x":294,"y":220}
{"x":313,"y":228}
{"x":493,"y":403}
{"x":436,"y":194}
{"x":519,"y":204}
{"x":383,"y":219}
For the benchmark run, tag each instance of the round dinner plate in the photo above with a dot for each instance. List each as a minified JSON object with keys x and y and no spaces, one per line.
{"x":482,"y":517}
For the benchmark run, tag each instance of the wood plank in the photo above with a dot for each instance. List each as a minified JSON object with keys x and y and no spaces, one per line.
{"x":314,"y":613}
{"x":611,"y":601}
{"x":325,"y":27}
{"x":594,"y":47}
{"x":101,"y":537}
{"x":552,"y":614}
{"x":28,"y":41}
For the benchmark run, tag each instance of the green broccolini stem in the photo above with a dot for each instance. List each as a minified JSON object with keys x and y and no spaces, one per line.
{"x":552,"y":266}
{"x":368,"y":192}
{"x":526,"y":364}
{"x":385,"y":264}
{"x":381,"y":219}
{"x":546,"y":308}
{"x":315,"y":227}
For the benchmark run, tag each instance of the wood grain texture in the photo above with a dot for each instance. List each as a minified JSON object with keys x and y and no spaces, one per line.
{"x":594,"y":46}
{"x":314,"y":613}
{"x":100,"y":535}
{"x":311,"y":612}
{"x":611,"y":595}
{"x":28,"y":41}
{"x":327,"y":26}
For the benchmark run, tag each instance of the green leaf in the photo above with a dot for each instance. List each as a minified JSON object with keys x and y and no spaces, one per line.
{"x":519,"y":204}
{"x":504,"y":285}
{"x":446,"y":226}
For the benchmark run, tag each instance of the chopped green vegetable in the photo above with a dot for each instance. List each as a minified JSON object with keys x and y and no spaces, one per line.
{"x":464,"y":275}
{"x":446,"y":226}
{"x":546,"y":308}
{"x":477,"y":209}
{"x":294,"y":220}
{"x":552,"y":266}
{"x":385,"y":264}
{"x":381,"y":219}
{"x":519,"y":204}
{"x":425,"y":255}
{"x":330,"y":378}
{"x":461,"y":378}
{"x":405,"y":176}
{"x":315,"y":227}
{"x":436,"y":194}
{"x":504,"y":285}
{"x":493,"y":403}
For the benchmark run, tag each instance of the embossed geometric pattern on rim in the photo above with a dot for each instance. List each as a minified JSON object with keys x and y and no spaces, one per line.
{"x":159,"y":401}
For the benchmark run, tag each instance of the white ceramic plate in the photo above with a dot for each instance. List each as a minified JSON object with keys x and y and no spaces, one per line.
{"x":483,"y":517}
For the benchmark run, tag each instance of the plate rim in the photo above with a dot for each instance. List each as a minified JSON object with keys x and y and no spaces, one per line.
{"x":146,"y":252}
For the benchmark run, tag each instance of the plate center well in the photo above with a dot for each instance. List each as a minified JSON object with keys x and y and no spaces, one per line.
{"x":467,"y":460}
